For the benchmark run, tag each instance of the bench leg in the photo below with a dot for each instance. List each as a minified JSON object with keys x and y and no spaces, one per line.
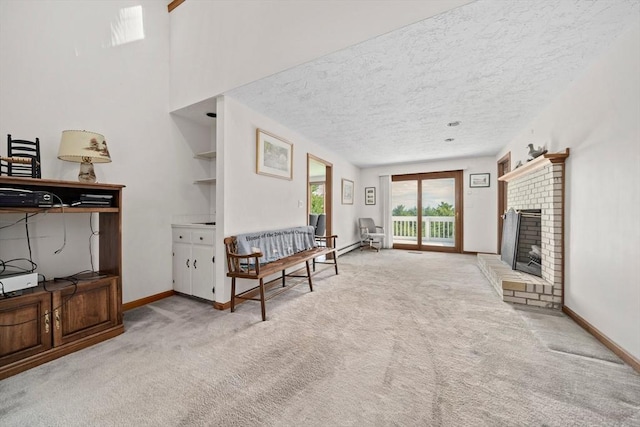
{"x":335,"y":261}
{"x":283,"y":275}
{"x":264,"y":313}
{"x":314,"y":264}
{"x":233,"y":294}
{"x":309,"y":275}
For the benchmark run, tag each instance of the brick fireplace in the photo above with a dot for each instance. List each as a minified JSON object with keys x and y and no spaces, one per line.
{"x":537,"y":186}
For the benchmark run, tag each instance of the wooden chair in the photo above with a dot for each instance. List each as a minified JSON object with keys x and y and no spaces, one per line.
{"x":23,"y":158}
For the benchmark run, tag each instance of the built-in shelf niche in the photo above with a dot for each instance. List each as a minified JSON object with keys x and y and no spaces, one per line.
{"x":200,"y":123}
{"x":207,"y":155}
{"x":205,"y":181}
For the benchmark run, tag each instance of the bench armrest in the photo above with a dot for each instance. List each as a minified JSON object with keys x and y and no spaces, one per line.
{"x":240,"y":263}
{"x":328,"y":239}
{"x":255,"y":255}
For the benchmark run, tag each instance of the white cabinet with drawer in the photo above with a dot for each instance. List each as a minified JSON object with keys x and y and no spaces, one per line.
{"x":193,"y":261}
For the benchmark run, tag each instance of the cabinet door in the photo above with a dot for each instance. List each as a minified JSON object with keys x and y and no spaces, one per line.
{"x":202,"y":272}
{"x":182,"y":263}
{"x":83,"y":310}
{"x":25,"y":326}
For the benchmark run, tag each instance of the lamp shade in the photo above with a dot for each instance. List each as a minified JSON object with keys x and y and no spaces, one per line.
{"x":83,"y":147}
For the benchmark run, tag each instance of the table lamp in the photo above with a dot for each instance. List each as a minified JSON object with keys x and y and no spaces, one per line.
{"x":85,"y":148}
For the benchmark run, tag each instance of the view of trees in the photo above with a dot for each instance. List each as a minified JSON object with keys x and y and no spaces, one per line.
{"x":317,"y":198}
{"x":443,"y":209}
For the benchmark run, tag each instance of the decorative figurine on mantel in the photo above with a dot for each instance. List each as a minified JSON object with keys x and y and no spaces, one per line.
{"x":533,"y":153}
{"x":518,"y":164}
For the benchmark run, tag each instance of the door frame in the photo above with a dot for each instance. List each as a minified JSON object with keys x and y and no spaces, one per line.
{"x":459,"y":235}
{"x":328,"y":195}
{"x":504,"y":166}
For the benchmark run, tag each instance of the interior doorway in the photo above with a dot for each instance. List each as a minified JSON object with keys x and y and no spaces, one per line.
{"x":504,"y":166}
{"x":427,"y":211}
{"x":319,"y":191}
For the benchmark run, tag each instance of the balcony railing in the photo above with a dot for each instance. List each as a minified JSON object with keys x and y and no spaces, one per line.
{"x":435,"y":229}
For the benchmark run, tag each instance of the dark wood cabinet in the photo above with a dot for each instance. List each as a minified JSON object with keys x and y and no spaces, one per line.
{"x":87,"y":310}
{"x":26,"y":327}
{"x":47,"y":322}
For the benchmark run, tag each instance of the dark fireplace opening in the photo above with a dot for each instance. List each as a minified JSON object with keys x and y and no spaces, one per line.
{"x":521,"y":240}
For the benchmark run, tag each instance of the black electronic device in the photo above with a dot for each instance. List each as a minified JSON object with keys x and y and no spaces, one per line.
{"x":19,"y":198}
{"x":93,"y":200}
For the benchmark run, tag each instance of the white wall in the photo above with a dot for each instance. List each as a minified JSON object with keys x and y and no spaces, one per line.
{"x":220,"y":45}
{"x":598,"y":118}
{"x":480,"y":204}
{"x":250,"y":202}
{"x":62,"y":70}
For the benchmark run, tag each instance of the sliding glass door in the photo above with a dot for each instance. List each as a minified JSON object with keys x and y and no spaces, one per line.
{"x":427,"y":211}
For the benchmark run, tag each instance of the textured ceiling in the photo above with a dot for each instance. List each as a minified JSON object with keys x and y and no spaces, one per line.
{"x":492,"y":65}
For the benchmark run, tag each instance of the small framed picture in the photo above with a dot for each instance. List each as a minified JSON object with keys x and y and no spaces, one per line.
{"x":347,"y":192}
{"x":370,"y":196}
{"x":479,"y":180}
{"x":274,"y":155}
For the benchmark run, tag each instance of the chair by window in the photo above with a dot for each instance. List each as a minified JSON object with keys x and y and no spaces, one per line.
{"x":371,"y":235}
{"x":313,"y":220}
{"x":23,"y":158}
{"x":321,"y":225}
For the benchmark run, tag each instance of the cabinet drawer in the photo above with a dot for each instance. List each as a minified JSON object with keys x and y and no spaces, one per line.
{"x":181,"y":235}
{"x":202,"y":237}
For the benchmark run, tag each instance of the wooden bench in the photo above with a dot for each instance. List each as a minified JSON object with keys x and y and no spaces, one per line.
{"x":247,"y":266}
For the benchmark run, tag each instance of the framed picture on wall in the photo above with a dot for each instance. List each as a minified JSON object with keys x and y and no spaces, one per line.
{"x":478,"y":180}
{"x":347,"y":192}
{"x":274,"y":155}
{"x":370,"y":196}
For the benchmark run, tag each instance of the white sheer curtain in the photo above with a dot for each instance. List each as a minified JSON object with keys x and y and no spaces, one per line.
{"x":385,"y":202}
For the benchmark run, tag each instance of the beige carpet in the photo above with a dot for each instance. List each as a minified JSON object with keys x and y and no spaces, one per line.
{"x":398,"y":338}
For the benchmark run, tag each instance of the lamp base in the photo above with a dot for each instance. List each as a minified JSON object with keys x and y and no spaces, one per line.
{"x":87,"y":173}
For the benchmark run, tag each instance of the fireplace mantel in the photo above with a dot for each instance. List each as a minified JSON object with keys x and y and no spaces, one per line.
{"x":534,"y":165}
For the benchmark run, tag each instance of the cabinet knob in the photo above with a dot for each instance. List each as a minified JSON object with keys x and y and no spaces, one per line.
{"x":180,"y":237}
{"x":201,"y":238}
{"x":187,"y":263}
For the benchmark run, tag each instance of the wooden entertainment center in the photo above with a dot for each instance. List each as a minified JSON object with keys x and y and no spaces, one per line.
{"x":58,"y":318}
